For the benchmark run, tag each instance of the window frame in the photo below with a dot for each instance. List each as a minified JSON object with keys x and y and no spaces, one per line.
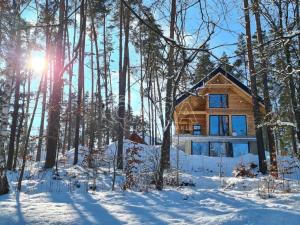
{"x":245,"y":142}
{"x":207,"y":145}
{"x":219,"y":142}
{"x":246,"y":120}
{"x":219,"y":133}
{"x":197,"y":124}
{"x":227,"y":102}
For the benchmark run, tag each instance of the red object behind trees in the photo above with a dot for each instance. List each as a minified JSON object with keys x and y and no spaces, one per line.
{"x":134,"y":137}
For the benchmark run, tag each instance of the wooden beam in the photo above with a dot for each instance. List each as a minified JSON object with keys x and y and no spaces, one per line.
{"x":192,"y":113}
{"x":219,"y":86}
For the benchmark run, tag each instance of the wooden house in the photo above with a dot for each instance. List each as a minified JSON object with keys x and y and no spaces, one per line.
{"x":215,"y":117}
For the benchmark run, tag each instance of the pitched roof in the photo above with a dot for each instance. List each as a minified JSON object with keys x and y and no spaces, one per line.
{"x":208,"y":77}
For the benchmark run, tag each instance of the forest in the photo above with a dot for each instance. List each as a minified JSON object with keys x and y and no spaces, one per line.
{"x":80,"y":78}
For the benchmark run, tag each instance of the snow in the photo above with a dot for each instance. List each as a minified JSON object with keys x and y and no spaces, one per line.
{"x":213,"y":200}
{"x":201,"y":205}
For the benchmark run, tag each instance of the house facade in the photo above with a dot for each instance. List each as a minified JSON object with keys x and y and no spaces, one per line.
{"x":215,"y":117}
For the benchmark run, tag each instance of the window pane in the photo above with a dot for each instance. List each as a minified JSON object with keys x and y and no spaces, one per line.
{"x":218,"y":101}
{"x":196,"y":132}
{"x":223,"y":120}
{"x":218,"y":125}
{"x":240,"y":149}
{"x":239,"y":125}
{"x":196,"y":129}
{"x":200,"y":148}
{"x":217,"y":148}
{"x":214,"y":125}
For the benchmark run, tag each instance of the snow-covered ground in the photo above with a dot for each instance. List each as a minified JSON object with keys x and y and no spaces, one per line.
{"x":213,"y":199}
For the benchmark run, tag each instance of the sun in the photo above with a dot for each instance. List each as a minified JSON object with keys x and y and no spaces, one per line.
{"x":37,"y":64}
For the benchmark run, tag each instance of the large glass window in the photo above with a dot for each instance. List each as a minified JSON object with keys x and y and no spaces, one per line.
{"x":200,"y":148}
{"x":239,"y":125}
{"x":217,"y":148}
{"x":240,"y":149}
{"x":196,"y":129}
{"x":218,"y":125}
{"x":218,"y":101}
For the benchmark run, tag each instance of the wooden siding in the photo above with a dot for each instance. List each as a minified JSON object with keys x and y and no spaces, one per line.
{"x":195,"y":109}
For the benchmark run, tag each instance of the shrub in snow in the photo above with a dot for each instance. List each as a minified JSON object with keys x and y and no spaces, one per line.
{"x":188,"y":183}
{"x":132,"y":167}
{"x":243,"y":170}
{"x":288,"y":166}
{"x":170,"y":178}
{"x":143,"y":162}
{"x":266,"y":187}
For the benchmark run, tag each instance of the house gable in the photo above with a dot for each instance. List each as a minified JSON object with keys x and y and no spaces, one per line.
{"x":218,"y":75}
{"x":220,"y":84}
{"x":193,"y":107}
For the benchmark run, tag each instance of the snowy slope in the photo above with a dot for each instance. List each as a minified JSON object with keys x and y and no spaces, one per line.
{"x":213,"y":199}
{"x":201,"y":205}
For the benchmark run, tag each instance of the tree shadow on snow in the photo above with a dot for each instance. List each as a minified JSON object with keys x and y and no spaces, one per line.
{"x":141,"y":210}
{"x":174,"y":204}
{"x":260,"y":216}
{"x":21,"y":219}
{"x":88,"y":209}
{"x":242,"y":210}
{"x":161,"y":204}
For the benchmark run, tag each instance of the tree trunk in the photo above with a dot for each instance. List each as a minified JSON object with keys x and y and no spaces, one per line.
{"x":166,"y":142}
{"x":20,"y":129}
{"x":255,"y":101}
{"x":70,"y":84}
{"x":66,"y":43}
{"x":128,"y":122}
{"x":291,"y":83}
{"x":105,"y":81}
{"x":26,"y":139}
{"x":54,"y":107}
{"x":80,"y":95}
{"x":4,"y":115}
{"x":99,"y":96}
{"x":155,"y":112}
{"x":298,"y":27}
{"x":292,"y":89}
{"x":151,"y":107}
{"x":14,"y":122}
{"x":44,"y":90}
{"x":12,"y":138}
{"x":122,"y":85}
{"x":267,"y":101}
{"x":161,"y":115}
{"x":26,"y":117}
{"x":92,"y":117}
{"x":4,"y":186}
{"x":141,"y":87}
